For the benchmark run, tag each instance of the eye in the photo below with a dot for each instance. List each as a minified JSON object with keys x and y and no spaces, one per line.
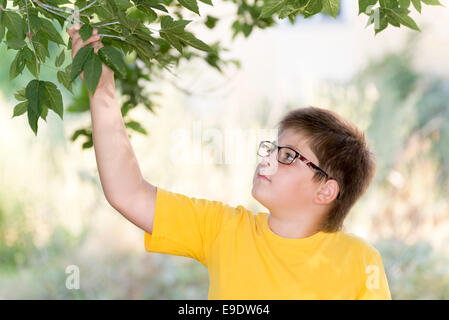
{"x":287,"y":155}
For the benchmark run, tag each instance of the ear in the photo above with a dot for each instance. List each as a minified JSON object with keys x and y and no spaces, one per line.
{"x":327,"y":192}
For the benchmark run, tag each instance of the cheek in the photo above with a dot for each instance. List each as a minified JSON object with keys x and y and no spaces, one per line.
{"x":293,"y":185}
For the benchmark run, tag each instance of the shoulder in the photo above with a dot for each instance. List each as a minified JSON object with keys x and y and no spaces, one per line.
{"x":356,"y":243}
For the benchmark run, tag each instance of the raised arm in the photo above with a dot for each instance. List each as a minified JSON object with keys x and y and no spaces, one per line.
{"x":121,"y":179}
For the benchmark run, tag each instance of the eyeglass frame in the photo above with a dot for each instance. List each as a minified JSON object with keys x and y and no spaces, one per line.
{"x":306,"y":161}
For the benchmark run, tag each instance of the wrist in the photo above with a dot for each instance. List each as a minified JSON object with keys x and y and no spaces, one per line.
{"x":106,"y":89}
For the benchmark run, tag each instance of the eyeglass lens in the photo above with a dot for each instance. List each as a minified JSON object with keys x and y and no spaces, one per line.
{"x":285,"y":155}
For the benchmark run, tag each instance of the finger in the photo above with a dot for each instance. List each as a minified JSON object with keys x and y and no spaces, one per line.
{"x":75,"y":36}
{"x":73,"y":29}
{"x":78,"y":44}
{"x":92,"y":39}
{"x":76,"y":23}
{"x":97,"y":46}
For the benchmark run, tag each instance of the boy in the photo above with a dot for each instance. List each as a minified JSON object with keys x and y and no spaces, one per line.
{"x":308,"y":179}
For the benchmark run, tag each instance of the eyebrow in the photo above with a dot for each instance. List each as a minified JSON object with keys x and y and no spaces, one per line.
{"x":294,"y":148}
{"x":290,"y":146}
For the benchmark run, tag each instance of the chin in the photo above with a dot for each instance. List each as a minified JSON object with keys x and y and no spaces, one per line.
{"x":261,"y":198}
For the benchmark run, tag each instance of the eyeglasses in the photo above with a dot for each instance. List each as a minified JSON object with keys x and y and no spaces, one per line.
{"x":287,"y":155}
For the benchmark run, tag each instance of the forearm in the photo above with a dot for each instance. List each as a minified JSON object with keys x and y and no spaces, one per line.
{"x":117,"y":164}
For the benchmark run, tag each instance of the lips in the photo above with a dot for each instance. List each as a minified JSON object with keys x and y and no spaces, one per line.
{"x":261,"y":176}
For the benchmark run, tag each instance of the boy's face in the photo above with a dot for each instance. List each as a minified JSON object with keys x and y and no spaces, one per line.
{"x":291,"y":186}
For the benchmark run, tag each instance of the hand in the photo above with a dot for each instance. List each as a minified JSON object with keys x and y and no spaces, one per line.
{"x":107,"y":75}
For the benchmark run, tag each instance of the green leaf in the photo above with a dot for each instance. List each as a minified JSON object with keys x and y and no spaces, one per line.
{"x":209,"y":2}
{"x":211,"y":22}
{"x":417,"y":5}
{"x":136,"y":13}
{"x":172,"y":40}
{"x":151,"y":14}
{"x":383,"y":20}
{"x":2,"y":30}
{"x":136,"y":126}
{"x":35,"y":23}
{"x":17,"y":66}
{"x":246,"y":29}
{"x":123,"y":4}
{"x":192,"y":41}
{"x":14,"y":22}
{"x":40,"y":47}
{"x":27,"y":54}
{"x":113,"y":59}
{"x":404,"y":3}
{"x":403,"y":18}
{"x":20,"y":95}
{"x":432,"y":2}
{"x":270,"y":7}
{"x":60,"y":59}
{"x":169,"y":25}
{"x":312,"y":7}
{"x":48,"y":29}
{"x":35,"y":93}
{"x":15,"y":43}
{"x":146,"y":3}
{"x":78,"y":133}
{"x":53,"y":98}
{"x":364,"y":4}
{"x":20,"y":108}
{"x":173,"y":32}
{"x":92,"y":72}
{"x":79,"y":60}
{"x":31,"y":61}
{"x":44,"y":112}
{"x":332,"y":7}
{"x":64,"y":78}
{"x":88,"y":143}
{"x":393,"y":20}
{"x":112,"y":7}
{"x":192,"y":5}
{"x":86,"y":31}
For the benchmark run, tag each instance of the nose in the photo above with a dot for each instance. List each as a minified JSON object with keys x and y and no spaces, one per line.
{"x":268,"y":165}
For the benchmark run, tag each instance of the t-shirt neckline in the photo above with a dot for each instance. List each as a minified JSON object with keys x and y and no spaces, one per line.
{"x":307,"y":241}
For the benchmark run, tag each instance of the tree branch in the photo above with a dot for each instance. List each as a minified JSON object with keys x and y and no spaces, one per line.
{"x":55,"y":10}
{"x":112,"y":36}
{"x":30,"y":39}
{"x":89,"y":5}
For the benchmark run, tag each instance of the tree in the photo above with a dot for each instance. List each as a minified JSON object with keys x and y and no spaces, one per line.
{"x":135,"y":50}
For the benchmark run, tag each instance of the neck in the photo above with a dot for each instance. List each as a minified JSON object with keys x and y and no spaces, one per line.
{"x":292,"y":228}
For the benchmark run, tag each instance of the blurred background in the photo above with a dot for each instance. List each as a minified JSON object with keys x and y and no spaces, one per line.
{"x":394,"y":86}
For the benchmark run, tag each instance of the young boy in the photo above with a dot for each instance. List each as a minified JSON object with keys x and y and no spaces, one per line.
{"x":308,"y":179}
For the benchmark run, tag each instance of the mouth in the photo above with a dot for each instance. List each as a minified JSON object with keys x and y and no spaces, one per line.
{"x":260,"y":176}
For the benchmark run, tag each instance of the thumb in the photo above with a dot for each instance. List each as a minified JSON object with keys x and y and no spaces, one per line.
{"x":97,"y":46}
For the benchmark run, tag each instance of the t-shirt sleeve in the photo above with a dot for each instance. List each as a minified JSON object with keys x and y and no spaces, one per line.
{"x":186,"y":226}
{"x":374,"y":284}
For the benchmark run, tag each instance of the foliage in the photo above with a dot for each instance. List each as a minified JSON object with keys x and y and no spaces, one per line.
{"x":132,"y":46}
{"x":416,"y":271}
{"x":411,"y":103}
{"x":407,"y":102}
{"x":392,"y":12}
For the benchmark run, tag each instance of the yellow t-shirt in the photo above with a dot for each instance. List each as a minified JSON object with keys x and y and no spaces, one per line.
{"x":247,"y":260}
